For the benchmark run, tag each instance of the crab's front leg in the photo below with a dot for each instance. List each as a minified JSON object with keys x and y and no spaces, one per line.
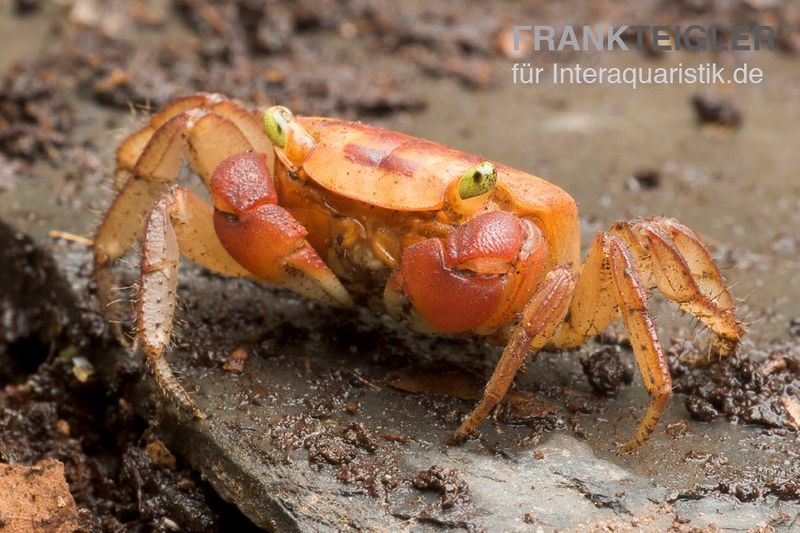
{"x":538,"y":322}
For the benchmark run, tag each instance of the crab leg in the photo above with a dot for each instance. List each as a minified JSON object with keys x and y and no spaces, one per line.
{"x":156,"y":306}
{"x":683,"y":271}
{"x":131,"y":149}
{"x":539,"y":320}
{"x":611,"y":284}
{"x":153,"y":173}
{"x":672,"y":258}
{"x":179,"y":224}
{"x":631,"y":297}
{"x":193,"y":222}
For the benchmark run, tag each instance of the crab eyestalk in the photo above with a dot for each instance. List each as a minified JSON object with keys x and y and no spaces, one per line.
{"x":477,"y":180}
{"x":467,"y":194}
{"x":288,"y":136}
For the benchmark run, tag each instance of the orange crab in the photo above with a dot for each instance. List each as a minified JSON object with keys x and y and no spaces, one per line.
{"x":347,"y":213}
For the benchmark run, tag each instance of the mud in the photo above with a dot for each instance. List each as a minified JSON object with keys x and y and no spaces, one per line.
{"x":746,"y":388}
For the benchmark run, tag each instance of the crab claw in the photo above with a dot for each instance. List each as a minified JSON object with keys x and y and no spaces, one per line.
{"x":489,"y":243}
{"x":264,"y":237}
{"x":450,"y":301}
{"x":468,"y":280}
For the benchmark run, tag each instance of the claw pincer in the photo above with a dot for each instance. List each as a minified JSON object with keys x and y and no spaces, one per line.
{"x":262,"y":236}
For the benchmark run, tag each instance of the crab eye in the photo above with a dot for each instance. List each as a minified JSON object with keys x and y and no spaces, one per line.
{"x":276,"y":124}
{"x":479,"y":179}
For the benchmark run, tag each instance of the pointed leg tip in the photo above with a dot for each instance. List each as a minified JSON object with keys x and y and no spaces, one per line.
{"x":457,"y":438}
{"x":629,"y":447}
{"x":722,"y":347}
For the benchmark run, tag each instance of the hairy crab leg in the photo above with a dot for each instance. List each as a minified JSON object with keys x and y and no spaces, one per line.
{"x":155,"y":170}
{"x":631,"y":297}
{"x":121,"y":228}
{"x":593,"y":305}
{"x":611,"y":284}
{"x":683,"y":271}
{"x":539,"y":320}
{"x":156,"y":305}
{"x":179,"y":224}
{"x":670,"y":257}
{"x":132,"y":147}
{"x":183,"y":224}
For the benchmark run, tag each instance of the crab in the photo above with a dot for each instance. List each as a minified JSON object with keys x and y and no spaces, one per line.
{"x":349,"y":214}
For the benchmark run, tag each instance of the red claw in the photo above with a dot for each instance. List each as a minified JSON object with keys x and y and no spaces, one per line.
{"x":260,"y":239}
{"x":489,"y":243}
{"x":242,"y":182}
{"x":450,"y":301}
{"x":256,"y":232}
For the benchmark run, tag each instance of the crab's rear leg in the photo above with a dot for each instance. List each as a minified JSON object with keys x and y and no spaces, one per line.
{"x":610,"y":284}
{"x":622,"y":264}
{"x":156,"y":305}
{"x":131,"y":149}
{"x":179,"y":224}
{"x":684,"y":272}
{"x":267,"y":243}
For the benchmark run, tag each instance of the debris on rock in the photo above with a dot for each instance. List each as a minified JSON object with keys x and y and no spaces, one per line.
{"x":160,"y":455}
{"x":711,"y":108}
{"x":446,"y":482}
{"x":748,"y":388}
{"x":606,"y":371}
{"x":645,"y":179}
{"x":235,"y":361}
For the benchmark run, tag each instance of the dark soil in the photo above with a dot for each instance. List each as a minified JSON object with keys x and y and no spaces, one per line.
{"x":108,"y":455}
{"x":748,"y":387}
